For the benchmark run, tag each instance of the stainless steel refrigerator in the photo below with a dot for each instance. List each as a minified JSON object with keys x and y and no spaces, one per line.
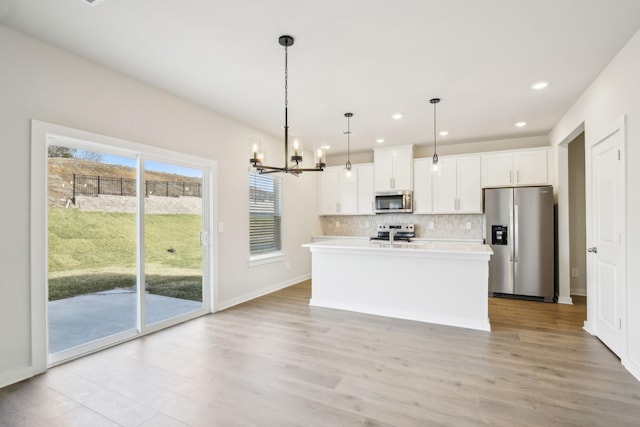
{"x":520,"y":230}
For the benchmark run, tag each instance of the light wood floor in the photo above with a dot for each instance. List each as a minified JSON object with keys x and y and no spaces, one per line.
{"x":275,"y":361}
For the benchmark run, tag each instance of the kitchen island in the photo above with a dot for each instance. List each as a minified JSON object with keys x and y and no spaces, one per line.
{"x":435,"y":282}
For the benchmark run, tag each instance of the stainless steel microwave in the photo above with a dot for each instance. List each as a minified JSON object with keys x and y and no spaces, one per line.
{"x":394,"y":202}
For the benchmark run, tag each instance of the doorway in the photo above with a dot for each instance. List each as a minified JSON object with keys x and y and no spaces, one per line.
{"x":577,"y":219}
{"x":127,"y":248}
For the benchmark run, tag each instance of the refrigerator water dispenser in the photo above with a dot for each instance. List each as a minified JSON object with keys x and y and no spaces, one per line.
{"x":498,"y":234}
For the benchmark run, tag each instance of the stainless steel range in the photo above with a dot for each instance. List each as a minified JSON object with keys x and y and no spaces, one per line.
{"x":395,"y":232}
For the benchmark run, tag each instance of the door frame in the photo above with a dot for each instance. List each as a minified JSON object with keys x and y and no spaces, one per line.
{"x":41,"y":134}
{"x":590,"y":325}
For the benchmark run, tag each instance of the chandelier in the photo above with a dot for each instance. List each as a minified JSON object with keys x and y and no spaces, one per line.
{"x":293,"y":152}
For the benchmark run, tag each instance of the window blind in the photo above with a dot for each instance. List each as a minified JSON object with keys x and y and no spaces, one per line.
{"x":264,"y":213}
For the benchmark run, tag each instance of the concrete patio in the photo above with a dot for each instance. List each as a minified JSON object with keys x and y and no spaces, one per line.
{"x":85,"y":318}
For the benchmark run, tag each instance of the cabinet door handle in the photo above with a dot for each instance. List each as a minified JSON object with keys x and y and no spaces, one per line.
{"x":518,"y":177}
{"x":510,"y":178}
{"x":337,"y":207}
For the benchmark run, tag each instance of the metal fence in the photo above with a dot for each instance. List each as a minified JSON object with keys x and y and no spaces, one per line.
{"x":93,"y":185}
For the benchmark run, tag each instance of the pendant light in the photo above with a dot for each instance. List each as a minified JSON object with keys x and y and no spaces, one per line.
{"x":347,"y":166}
{"x":434,"y":161}
{"x":294,"y":153}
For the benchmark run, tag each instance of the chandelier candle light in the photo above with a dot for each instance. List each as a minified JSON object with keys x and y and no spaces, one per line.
{"x":347,"y":166}
{"x":434,"y":161}
{"x":294,"y":152}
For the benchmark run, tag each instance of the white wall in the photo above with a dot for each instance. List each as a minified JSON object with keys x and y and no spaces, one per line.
{"x":38,"y":81}
{"x":616,"y":92}
{"x":448,"y":149}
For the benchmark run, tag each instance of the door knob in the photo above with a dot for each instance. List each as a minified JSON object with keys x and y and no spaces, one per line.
{"x":593,"y":249}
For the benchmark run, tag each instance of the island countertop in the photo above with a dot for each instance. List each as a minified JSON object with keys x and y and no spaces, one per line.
{"x":419,"y":248}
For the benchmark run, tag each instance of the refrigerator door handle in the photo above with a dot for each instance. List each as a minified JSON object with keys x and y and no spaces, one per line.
{"x":512,"y":275}
{"x":515,"y":233}
{"x":511,"y":259}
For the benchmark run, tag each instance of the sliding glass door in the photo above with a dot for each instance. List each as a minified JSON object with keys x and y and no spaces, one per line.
{"x":173,"y":237}
{"x":92,"y":247}
{"x":127,"y":246}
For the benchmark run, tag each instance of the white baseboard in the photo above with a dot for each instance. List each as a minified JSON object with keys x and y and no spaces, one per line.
{"x":588,"y":327}
{"x":579,"y":292}
{"x":261,"y":292}
{"x":565,"y":300}
{"x":12,"y":377}
{"x":632,"y":367}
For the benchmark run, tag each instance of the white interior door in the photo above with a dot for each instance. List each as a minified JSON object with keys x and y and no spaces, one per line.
{"x":606,"y":280}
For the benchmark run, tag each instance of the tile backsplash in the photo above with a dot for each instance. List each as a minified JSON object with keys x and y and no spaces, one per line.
{"x":427,"y":226}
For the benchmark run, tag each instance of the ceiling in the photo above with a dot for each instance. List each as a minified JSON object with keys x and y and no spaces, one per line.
{"x":370,"y":57}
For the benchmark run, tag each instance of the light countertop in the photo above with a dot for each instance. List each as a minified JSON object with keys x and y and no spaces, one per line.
{"x":413,"y":239}
{"x":415,"y":247}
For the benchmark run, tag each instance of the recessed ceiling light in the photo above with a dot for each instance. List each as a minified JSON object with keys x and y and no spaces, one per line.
{"x":396,"y":116}
{"x":520,"y":124}
{"x":380,"y":140}
{"x":444,"y":133}
{"x":325,"y":147}
{"x":539,"y":85}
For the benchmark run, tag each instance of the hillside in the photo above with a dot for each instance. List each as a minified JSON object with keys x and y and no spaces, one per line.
{"x":61,"y":171}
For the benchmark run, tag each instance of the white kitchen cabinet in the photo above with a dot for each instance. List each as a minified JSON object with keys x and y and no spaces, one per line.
{"x":393,"y":168}
{"x":422,"y":192}
{"x":516,"y":167}
{"x":456,"y":186}
{"x":338,"y":194}
{"x":469,"y":187}
{"x":366,"y":189}
{"x":532,"y":167}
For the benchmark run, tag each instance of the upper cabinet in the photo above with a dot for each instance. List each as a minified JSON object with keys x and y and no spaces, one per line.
{"x":422,"y":193}
{"x":393,"y":168}
{"x":456,"y":185}
{"x":366,"y":192}
{"x":337,"y":193}
{"x":342,"y":195}
{"x":518,"y":167}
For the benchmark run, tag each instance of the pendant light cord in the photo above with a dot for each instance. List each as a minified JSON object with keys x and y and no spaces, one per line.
{"x":348,"y":139}
{"x":435,"y":143}
{"x":434,"y":101}
{"x":347,"y":166}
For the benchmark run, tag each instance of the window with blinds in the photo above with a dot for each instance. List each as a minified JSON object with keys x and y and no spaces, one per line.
{"x":264,"y":213}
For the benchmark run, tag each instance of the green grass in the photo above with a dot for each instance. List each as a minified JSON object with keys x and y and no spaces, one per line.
{"x":95,"y":251}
